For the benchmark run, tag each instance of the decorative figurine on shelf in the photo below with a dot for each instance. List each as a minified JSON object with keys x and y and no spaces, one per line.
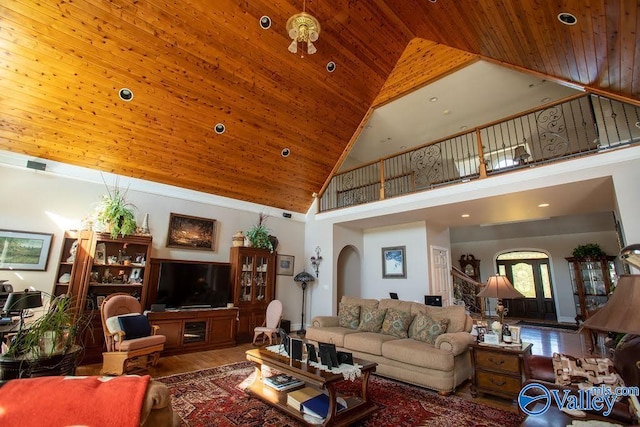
{"x":72,"y":252}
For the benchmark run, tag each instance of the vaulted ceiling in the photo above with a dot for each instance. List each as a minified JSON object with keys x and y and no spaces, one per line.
{"x":192,"y":64}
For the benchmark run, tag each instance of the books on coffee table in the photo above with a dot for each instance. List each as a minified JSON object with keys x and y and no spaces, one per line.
{"x":296,"y":398}
{"x":282,"y":382}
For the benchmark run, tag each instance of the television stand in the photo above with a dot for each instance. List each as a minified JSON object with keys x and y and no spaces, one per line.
{"x":196,"y":329}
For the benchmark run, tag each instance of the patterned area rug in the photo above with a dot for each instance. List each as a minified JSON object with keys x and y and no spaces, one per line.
{"x":215,"y":397}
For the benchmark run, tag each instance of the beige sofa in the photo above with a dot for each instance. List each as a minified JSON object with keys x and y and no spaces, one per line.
{"x":440,"y":366}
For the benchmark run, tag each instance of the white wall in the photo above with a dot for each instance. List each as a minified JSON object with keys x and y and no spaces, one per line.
{"x":49,"y":203}
{"x":414,"y":237}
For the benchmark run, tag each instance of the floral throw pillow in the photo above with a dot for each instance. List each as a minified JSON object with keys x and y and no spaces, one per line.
{"x":396,"y":323}
{"x":425,"y":328}
{"x":371,"y":319}
{"x":349,"y":316}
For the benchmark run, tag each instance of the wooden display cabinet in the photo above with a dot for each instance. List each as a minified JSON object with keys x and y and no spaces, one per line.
{"x":99,"y":267}
{"x":592,"y":280}
{"x":253,"y":278}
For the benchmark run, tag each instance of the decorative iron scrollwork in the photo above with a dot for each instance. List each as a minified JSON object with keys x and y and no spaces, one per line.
{"x":552,"y":131}
{"x":426,"y":164}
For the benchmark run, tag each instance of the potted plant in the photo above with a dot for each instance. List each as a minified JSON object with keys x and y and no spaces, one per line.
{"x":52,"y":333}
{"x":116,"y":214}
{"x":259,"y":234}
{"x":590,"y":250}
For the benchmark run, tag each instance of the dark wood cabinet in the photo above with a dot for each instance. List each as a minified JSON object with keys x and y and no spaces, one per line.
{"x":592,"y":280}
{"x":253,"y":278}
{"x":93,"y":265}
{"x":196,"y":330}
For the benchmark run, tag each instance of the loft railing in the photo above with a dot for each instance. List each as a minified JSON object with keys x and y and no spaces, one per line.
{"x":580,"y":126}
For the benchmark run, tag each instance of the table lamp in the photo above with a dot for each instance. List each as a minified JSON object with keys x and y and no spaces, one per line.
{"x":22,"y":301}
{"x":621,"y":314}
{"x":499,"y":287}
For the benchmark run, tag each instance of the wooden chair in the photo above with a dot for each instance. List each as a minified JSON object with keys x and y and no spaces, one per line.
{"x":269,"y":328}
{"x":128,"y":354}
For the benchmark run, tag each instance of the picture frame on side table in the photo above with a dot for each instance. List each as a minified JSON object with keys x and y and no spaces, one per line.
{"x":24,"y":250}
{"x":394,"y":264}
{"x":515,"y":334}
{"x":191,"y":232}
{"x":284,"y":265}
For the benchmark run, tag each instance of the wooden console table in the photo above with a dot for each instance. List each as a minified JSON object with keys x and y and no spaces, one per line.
{"x":357,"y":407}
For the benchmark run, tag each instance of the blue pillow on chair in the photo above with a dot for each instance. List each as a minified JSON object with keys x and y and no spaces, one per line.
{"x":135,"y":326}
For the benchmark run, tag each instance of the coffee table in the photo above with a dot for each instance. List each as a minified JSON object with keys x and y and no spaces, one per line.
{"x":358,"y":407}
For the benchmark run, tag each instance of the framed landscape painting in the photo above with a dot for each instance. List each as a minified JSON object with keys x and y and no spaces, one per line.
{"x":394,"y":265}
{"x":23,"y":250}
{"x":190,"y":232}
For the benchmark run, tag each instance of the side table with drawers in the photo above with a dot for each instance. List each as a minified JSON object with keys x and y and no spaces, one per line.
{"x":498,"y":370}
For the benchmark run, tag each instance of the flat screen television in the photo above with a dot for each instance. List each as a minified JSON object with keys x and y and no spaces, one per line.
{"x":194,"y":285}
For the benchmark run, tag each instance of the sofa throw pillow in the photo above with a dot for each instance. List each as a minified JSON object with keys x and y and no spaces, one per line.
{"x":427,"y":329}
{"x":396,"y":323}
{"x":349,"y":316}
{"x":371,"y":319}
{"x":135,"y":326}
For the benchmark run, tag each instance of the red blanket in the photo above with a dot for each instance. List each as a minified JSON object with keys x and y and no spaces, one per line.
{"x":73,"y":401}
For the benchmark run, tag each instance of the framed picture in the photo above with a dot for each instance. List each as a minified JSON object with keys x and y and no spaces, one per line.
{"x":515,"y":334}
{"x":136,"y":275}
{"x":190,"y":232}
{"x":101,"y":254}
{"x":284,"y":265}
{"x":24,"y":250}
{"x":394,"y":265}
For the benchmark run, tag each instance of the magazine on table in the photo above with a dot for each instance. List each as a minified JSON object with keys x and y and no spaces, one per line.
{"x":283,"y":382}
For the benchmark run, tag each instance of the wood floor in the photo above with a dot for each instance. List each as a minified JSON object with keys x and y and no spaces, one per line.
{"x":545,"y":342}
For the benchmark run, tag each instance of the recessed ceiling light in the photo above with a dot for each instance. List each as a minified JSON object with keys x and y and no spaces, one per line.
{"x":265,"y":22}
{"x":331,"y":66}
{"x":465,"y":215}
{"x":433,"y":99}
{"x":125,"y":94}
{"x":463,"y":127}
{"x":403,"y":147}
{"x":220,"y":128}
{"x":567,"y":18}
{"x":545,"y":100}
{"x":446,"y":112}
{"x":543,"y":205}
{"x":285,"y":152}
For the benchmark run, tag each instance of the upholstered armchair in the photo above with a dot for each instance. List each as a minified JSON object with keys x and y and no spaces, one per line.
{"x":131,"y":342}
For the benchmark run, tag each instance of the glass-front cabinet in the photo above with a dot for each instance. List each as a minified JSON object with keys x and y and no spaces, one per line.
{"x":592,"y":279}
{"x":253,"y":276}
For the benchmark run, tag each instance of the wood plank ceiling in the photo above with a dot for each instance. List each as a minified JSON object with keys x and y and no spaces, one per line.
{"x":194,"y":63}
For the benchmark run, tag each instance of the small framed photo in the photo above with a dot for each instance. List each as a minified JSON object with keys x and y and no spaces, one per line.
{"x":394,"y":265}
{"x":284,"y":265}
{"x":491,"y":338}
{"x":101,"y":254}
{"x":515,"y":334}
{"x":136,"y":275}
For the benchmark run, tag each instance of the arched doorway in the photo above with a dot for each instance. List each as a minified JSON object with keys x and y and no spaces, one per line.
{"x":348,"y":273}
{"x":529,"y":273}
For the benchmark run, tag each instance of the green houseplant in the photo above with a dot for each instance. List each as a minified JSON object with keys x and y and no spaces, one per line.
{"x":259,"y":234}
{"x":116,"y":214}
{"x":590,"y":250}
{"x":52,"y":333}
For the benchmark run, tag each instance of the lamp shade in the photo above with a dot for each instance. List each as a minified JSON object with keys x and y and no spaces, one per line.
{"x":304,"y":277}
{"x":18,"y":301}
{"x":499,"y":287}
{"x":620,"y":313}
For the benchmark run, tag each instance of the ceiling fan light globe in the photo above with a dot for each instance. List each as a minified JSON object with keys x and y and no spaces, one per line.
{"x":293,"y":47}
